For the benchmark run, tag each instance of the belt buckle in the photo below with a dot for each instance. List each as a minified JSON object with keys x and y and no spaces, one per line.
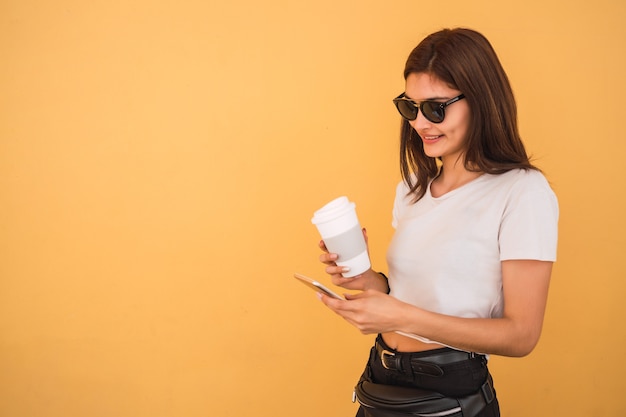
{"x":382,"y":357}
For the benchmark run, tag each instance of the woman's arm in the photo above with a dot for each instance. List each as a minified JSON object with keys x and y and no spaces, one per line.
{"x":525,"y":290}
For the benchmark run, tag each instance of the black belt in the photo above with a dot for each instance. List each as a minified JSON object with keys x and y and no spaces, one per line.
{"x":426,"y":364}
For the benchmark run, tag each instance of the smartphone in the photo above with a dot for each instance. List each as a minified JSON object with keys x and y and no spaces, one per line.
{"x":317,"y":286}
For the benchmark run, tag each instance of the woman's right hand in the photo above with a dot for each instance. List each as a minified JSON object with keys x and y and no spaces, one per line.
{"x":367,"y":280}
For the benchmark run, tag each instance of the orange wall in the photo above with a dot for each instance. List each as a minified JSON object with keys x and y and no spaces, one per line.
{"x":160,"y":162}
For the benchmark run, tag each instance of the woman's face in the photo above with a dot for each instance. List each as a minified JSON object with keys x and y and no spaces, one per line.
{"x":446,"y":139}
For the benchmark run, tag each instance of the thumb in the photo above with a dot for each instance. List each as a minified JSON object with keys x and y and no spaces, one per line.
{"x":353,"y":296}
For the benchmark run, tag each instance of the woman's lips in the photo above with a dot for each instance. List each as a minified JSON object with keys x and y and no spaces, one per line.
{"x":431,"y":138}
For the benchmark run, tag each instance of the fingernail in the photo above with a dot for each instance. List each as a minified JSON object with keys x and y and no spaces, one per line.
{"x":345,"y":269}
{"x":319,"y":296}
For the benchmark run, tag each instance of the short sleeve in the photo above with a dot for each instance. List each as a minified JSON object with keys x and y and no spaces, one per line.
{"x":399,"y":203}
{"x":529,"y":227}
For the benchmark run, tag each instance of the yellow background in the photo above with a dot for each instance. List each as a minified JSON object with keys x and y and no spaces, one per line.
{"x":160,"y":162}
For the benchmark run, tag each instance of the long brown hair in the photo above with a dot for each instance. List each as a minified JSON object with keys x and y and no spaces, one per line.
{"x":465,"y":60}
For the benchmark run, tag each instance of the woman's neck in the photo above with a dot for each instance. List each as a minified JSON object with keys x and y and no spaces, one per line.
{"x":451,"y":177}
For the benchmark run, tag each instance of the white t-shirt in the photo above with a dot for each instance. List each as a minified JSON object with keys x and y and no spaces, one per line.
{"x":446,"y":253}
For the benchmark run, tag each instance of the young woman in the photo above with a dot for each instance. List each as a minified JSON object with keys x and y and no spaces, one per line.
{"x":476,"y":231}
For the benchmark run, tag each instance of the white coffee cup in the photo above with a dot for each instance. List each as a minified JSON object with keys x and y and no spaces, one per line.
{"x":341,"y":231}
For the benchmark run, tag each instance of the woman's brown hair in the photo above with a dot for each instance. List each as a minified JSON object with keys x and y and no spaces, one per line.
{"x":465,"y":60}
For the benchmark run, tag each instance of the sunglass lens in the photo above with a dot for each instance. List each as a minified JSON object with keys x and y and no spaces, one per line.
{"x":407,"y":109}
{"x":433,"y":112}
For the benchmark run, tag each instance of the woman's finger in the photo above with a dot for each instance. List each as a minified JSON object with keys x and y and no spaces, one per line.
{"x":328,"y":258}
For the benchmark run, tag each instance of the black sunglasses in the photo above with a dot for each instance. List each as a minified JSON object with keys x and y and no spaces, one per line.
{"x":432,"y":110}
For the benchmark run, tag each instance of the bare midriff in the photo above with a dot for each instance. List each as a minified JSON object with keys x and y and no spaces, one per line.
{"x":406,"y":344}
